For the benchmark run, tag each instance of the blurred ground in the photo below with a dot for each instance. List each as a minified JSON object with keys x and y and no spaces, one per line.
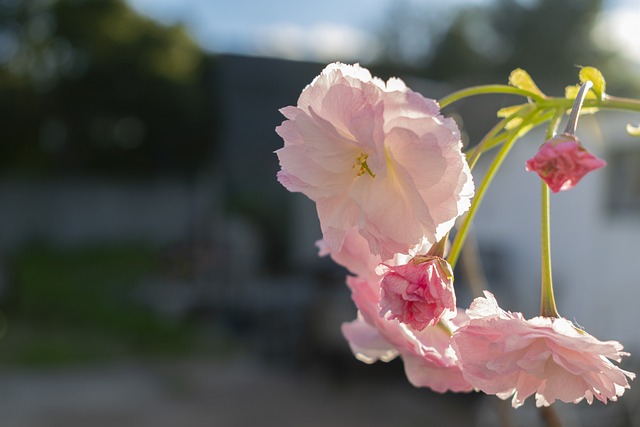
{"x":235,"y":393}
{"x":242,"y":393}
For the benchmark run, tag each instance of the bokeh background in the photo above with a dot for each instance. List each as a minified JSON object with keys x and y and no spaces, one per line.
{"x":154,"y":273}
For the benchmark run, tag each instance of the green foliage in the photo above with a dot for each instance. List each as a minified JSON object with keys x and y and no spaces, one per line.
{"x":43,"y":344}
{"x":570,"y":92}
{"x":78,"y":284}
{"x":483,"y":43}
{"x":93,"y":87}
{"x":76,"y":305}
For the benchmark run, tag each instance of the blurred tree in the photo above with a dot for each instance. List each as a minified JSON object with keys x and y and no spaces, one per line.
{"x":89,"y":85}
{"x":482,"y":44}
{"x":411,"y":31}
{"x":546,"y":37}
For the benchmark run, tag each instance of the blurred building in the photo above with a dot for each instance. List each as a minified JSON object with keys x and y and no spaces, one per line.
{"x":250,"y":243}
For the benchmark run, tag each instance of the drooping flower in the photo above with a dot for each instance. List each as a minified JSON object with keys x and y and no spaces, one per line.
{"x":429,"y":359}
{"x":418,"y":293}
{"x":562,"y":161}
{"x":375,"y":156}
{"x":504,"y":354}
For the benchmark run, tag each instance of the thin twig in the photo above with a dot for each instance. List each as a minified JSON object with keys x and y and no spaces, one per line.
{"x":550,"y":416}
{"x":472,"y":266}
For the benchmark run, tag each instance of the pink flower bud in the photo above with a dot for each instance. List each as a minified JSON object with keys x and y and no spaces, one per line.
{"x":418,"y":293}
{"x":562,"y":161}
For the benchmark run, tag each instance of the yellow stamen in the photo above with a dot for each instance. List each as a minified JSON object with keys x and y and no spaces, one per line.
{"x":361,"y":161}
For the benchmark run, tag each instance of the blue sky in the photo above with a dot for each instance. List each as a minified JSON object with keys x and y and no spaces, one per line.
{"x":245,"y":26}
{"x":344,"y":29}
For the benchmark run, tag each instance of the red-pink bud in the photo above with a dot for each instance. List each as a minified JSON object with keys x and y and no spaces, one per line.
{"x":562,"y":161}
{"x":418,"y":293}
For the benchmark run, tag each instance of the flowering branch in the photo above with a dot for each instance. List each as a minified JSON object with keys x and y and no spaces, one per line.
{"x":389,"y":179}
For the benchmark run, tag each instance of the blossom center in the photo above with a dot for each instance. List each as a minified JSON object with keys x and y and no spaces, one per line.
{"x":363,"y":167}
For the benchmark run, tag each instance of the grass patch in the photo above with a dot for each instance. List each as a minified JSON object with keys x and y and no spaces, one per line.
{"x":75,"y":305}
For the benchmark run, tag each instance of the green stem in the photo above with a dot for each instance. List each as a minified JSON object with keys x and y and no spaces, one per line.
{"x":485,"y":90}
{"x":463,"y":230}
{"x":547,"y":301}
{"x":616,"y":103}
{"x":542,"y":102}
{"x":609,"y":103}
{"x":535,"y":119}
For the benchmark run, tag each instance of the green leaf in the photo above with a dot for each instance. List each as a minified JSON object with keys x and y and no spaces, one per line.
{"x":633,"y":130}
{"x":516,"y":112}
{"x":508,"y":111}
{"x":596,"y":77}
{"x":570,"y":92}
{"x":522,"y":80}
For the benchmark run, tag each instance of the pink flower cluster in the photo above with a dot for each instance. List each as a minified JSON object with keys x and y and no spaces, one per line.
{"x":483,"y":348}
{"x":388,"y":177}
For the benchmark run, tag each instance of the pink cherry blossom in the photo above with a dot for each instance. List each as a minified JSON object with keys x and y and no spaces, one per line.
{"x":419,"y":292}
{"x":504,"y":354}
{"x":375,"y":156}
{"x":429,"y":359}
{"x":354,"y":254}
{"x":562,"y":161}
